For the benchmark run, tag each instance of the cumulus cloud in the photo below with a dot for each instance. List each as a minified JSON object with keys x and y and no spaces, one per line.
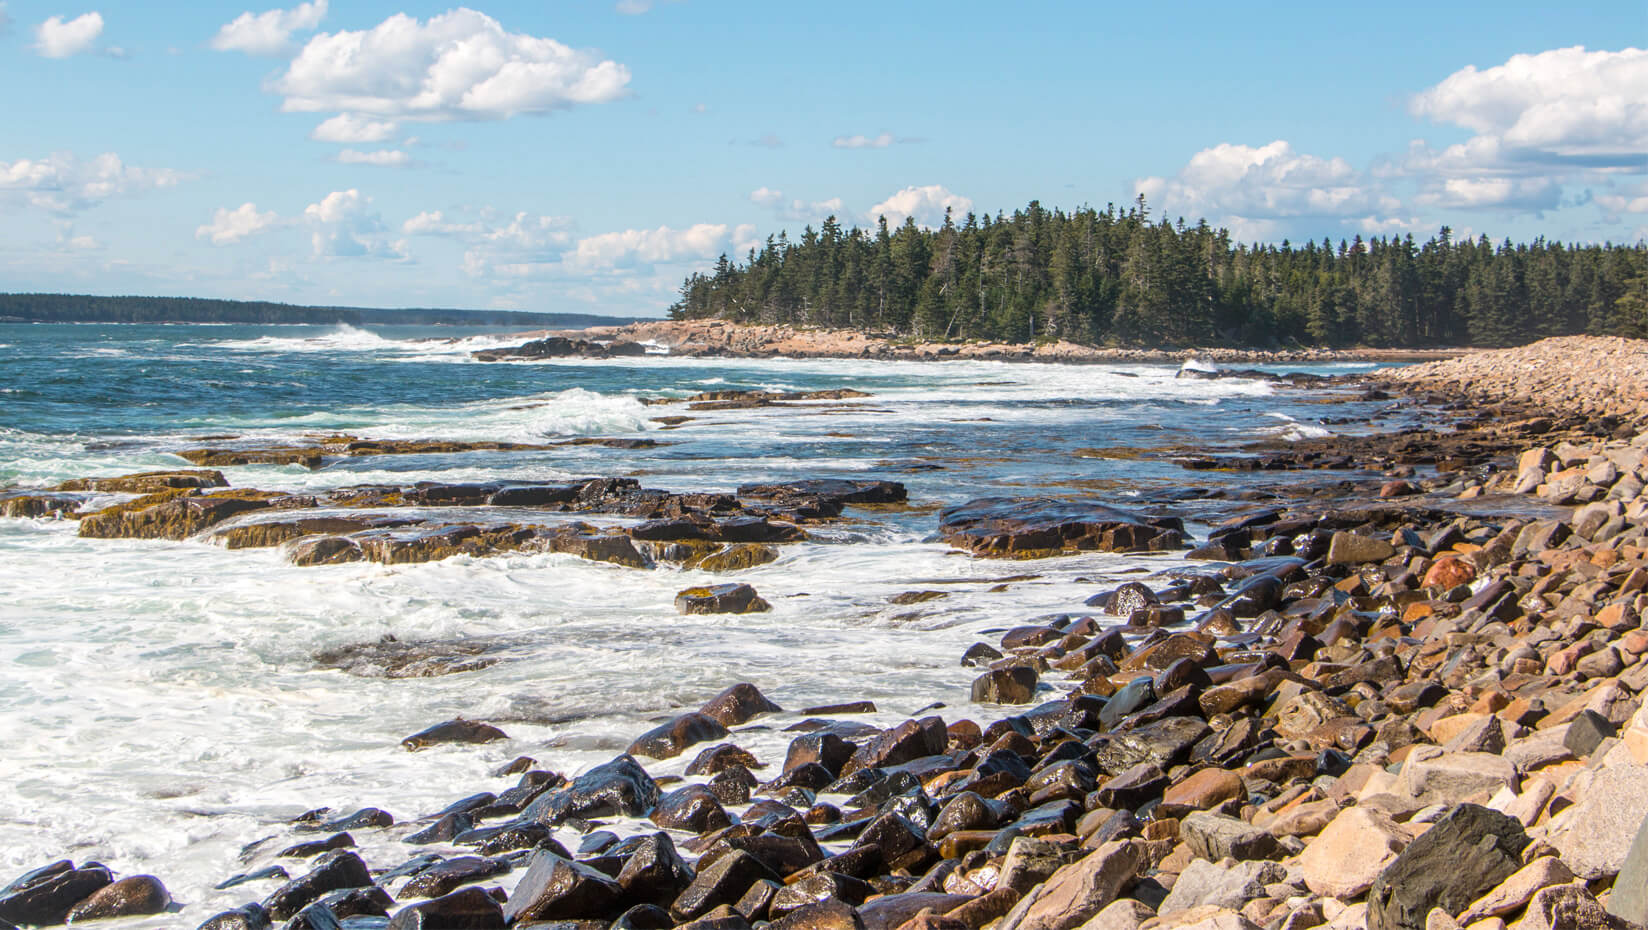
{"x":56,"y":38}
{"x":1564,"y":106}
{"x":494,"y":244}
{"x":383,"y":158}
{"x":796,"y":209}
{"x":926,"y":205}
{"x":458,"y":65}
{"x":230,"y":226}
{"x":63,"y":183}
{"x":345,"y":226}
{"x":1248,"y":188}
{"x":347,"y":127}
{"x":630,"y":248}
{"x":269,"y":32}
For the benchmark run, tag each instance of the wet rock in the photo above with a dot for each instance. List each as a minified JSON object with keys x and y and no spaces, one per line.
{"x":1465,"y":854}
{"x":356,"y":902}
{"x":620,"y":787}
{"x":246,"y":917}
{"x":333,"y":871}
{"x":129,"y":897}
{"x":669,"y":740}
{"x":148,"y":482}
{"x":176,"y":515}
{"x":457,"y":730}
{"x":719,"y":758}
{"x":557,"y":888}
{"x":391,"y":658}
{"x":737,"y":557}
{"x":824,"y":748}
{"x":464,"y":909}
{"x":823,"y":886}
{"x":1013,"y":685}
{"x":692,"y":808}
{"x":723,"y":882}
{"x":1032,"y":527}
{"x":832,"y":914}
{"x":46,"y":895}
{"x":644,"y":917}
{"x":720,"y":599}
{"x":738,"y":705}
{"x":836,"y":489}
{"x":493,"y":841}
{"x":907,"y":742}
{"x":443,"y":877}
{"x":655,"y":873}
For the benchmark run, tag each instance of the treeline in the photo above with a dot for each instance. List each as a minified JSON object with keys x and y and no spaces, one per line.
{"x":70,"y":308}
{"x":1118,"y":277}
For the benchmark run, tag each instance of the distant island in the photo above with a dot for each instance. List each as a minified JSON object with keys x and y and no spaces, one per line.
{"x":1121,"y":278}
{"x":73,"y":308}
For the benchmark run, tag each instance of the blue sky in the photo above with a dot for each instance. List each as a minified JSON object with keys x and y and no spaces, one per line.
{"x":584,"y":155}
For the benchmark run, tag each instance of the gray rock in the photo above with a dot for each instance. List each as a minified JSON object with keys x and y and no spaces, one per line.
{"x":1629,"y":899}
{"x":1463,"y":856}
{"x":1216,"y":836}
{"x":1223,"y":884}
{"x":1598,"y":830}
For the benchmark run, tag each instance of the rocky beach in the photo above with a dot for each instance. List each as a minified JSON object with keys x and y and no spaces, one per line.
{"x":1384,"y":678}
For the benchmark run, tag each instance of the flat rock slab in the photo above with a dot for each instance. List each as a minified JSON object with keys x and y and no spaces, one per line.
{"x":1009,"y":527}
{"x":1601,"y":826}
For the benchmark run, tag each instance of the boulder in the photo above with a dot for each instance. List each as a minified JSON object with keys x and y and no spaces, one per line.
{"x":1350,"y":852}
{"x":722,"y":882}
{"x":457,"y":730}
{"x":1465,"y":854}
{"x":1079,"y":891}
{"x":666,"y":741}
{"x":1217,"y":836}
{"x":1031,"y":527}
{"x":655,"y":873}
{"x":1432,"y":776}
{"x":1596,"y":834}
{"x":1518,"y":890}
{"x":1015,"y":684}
{"x":246,"y":917}
{"x":46,"y":895}
{"x":692,"y":808}
{"x":335,"y":870}
{"x":1565,"y":907}
{"x":1220,"y":884}
{"x":617,"y":788}
{"x":1352,"y":549}
{"x":720,"y":599}
{"x":738,"y":705}
{"x":465,"y":909}
{"x":557,"y":888}
{"x":447,"y":875}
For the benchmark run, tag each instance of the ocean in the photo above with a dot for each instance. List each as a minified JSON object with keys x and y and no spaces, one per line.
{"x":162,"y":704}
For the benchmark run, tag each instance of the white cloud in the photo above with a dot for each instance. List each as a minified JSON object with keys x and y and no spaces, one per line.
{"x":634,"y":7}
{"x":634,"y":247}
{"x":1563,"y":106}
{"x":1246,"y":187}
{"x":458,"y":65}
{"x":383,"y":158}
{"x":269,"y":32}
{"x":800,"y":211}
{"x":864,"y":142}
{"x":229,"y":226}
{"x":55,"y":38}
{"x":925,"y":204}
{"x":516,"y":246}
{"x":346,"y":226}
{"x":347,"y":127}
{"x":62,"y":183}
{"x":1530,"y":194}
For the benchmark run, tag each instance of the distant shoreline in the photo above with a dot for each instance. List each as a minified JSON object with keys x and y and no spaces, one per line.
{"x":719,"y":339}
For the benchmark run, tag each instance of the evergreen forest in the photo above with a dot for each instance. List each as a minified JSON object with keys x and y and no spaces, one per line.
{"x":1118,"y":277}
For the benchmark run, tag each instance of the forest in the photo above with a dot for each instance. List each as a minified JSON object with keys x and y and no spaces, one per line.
{"x":71,"y":308}
{"x":1112,"y":277}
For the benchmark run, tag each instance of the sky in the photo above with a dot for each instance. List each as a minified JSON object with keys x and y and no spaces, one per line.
{"x":586,"y":155}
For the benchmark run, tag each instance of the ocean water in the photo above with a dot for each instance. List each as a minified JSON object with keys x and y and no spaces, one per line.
{"x":161,"y":704}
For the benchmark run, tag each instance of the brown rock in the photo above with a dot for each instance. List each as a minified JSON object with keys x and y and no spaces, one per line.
{"x":738,"y":704}
{"x":129,"y":897}
{"x":721,"y":599}
{"x":1351,"y":852}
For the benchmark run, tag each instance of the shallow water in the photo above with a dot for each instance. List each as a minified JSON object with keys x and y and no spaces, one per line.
{"x":161,"y":703}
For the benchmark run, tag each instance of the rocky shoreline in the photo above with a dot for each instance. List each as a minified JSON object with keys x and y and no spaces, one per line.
{"x":1406,"y":694}
{"x":721,"y":339}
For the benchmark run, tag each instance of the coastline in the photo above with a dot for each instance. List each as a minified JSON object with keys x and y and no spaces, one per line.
{"x":1376,"y":676}
{"x":719,"y":339}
